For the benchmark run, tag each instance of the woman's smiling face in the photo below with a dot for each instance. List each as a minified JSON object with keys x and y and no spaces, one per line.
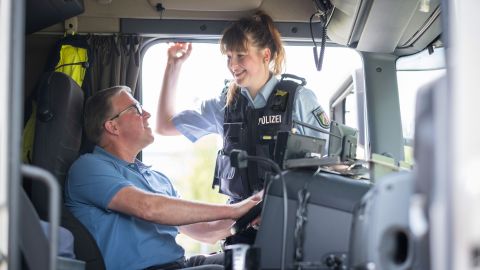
{"x":250,"y":67}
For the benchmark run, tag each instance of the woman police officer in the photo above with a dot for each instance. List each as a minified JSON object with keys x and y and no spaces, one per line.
{"x":250,"y":110}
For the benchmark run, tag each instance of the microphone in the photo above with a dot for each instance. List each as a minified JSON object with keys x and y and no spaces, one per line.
{"x":238,"y":158}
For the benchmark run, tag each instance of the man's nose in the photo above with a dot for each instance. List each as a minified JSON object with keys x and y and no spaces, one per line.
{"x":146,"y":114}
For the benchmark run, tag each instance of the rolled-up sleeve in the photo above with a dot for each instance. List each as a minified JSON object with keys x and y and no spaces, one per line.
{"x":206,"y":119}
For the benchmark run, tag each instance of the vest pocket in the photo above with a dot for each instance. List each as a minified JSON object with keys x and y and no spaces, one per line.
{"x":233,"y":136}
{"x":228,"y":178}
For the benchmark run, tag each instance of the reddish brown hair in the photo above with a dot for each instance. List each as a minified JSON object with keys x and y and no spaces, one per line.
{"x":258,"y":30}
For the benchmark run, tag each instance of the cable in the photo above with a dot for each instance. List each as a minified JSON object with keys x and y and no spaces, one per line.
{"x":83,"y":64}
{"x":311,"y":29}
{"x":322,"y":45}
{"x":238,"y":158}
{"x":277,"y":169}
{"x":319,"y":58}
{"x":299,"y":235}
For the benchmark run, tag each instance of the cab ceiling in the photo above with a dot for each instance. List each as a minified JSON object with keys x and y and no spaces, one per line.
{"x":387,"y":26}
{"x":280,"y":10}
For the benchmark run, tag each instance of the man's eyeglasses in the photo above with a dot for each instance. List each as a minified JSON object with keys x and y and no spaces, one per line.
{"x":136,"y":105}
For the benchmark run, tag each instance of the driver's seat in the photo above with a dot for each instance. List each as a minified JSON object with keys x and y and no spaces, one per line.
{"x":58,"y":137}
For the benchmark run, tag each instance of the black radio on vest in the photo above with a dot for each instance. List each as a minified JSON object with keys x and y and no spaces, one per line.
{"x":255,"y":131}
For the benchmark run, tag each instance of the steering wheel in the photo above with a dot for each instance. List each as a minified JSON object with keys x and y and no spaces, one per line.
{"x":242,"y":223}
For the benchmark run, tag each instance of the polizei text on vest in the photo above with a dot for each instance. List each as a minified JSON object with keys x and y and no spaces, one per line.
{"x":270,"y":119}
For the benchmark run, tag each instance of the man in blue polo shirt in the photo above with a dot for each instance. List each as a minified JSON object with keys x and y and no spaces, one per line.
{"x":133,"y":212}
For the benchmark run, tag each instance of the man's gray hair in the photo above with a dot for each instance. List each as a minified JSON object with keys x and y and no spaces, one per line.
{"x":98,"y":109}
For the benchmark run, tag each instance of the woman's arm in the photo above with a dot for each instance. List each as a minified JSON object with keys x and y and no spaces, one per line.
{"x":177,"y":54}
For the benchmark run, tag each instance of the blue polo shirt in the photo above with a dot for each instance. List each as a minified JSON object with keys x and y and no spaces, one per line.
{"x":126,"y":242}
{"x":208,"y":118}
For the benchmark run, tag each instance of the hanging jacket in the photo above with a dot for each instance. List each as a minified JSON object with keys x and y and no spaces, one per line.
{"x":70,"y":55}
{"x":73,"y":62}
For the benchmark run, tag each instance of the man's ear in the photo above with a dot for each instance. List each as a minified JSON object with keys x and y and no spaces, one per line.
{"x":111,"y":127}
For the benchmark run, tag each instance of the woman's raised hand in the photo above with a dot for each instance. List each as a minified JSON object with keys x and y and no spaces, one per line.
{"x":178,"y":52}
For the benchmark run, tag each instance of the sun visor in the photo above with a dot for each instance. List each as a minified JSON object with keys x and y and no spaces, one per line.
{"x":44,"y":13}
{"x":383,"y":25}
{"x":342,"y":21}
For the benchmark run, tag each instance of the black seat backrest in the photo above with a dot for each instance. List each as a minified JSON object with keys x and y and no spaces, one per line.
{"x":58,"y":137}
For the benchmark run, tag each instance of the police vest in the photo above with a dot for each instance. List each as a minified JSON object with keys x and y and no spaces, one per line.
{"x":255,"y":131}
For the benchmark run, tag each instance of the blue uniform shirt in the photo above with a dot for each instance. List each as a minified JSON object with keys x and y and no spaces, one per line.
{"x":207,"y":119}
{"x":126,"y":242}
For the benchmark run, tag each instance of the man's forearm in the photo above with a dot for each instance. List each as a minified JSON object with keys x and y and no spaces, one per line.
{"x":173,"y":211}
{"x":208,"y":232}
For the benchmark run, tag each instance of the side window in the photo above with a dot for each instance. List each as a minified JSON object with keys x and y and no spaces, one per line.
{"x":413,"y":72}
{"x":339,"y":63}
{"x":189,"y":165}
{"x":338,"y":86}
{"x":347,"y":106}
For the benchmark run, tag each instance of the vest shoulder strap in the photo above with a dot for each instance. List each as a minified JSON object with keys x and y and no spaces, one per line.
{"x":284,"y":93}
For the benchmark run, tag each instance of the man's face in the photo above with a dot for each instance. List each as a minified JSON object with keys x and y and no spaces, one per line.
{"x":131,"y":120}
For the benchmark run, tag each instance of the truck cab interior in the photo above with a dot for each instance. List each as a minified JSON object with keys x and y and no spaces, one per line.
{"x":375,"y":210}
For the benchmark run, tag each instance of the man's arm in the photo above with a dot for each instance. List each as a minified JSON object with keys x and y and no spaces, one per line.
{"x":166,"y":100}
{"x":211,"y":232}
{"x":208,"y":232}
{"x":173,"y":211}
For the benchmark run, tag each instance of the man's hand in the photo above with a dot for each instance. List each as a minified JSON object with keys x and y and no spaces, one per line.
{"x":256,"y":222}
{"x":242,"y":207}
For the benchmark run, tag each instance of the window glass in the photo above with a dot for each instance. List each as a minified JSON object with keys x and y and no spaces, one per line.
{"x":190,"y":165}
{"x":351,"y":119}
{"x":413,"y":72}
{"x":351,"y":111}
{"x":338,"y":64}
{"x":347,"y":107}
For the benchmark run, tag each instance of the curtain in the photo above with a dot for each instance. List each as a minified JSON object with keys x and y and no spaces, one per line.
{"x":115,"y":60}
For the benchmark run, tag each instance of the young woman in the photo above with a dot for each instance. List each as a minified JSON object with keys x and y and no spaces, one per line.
{"x":251,"y":110}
